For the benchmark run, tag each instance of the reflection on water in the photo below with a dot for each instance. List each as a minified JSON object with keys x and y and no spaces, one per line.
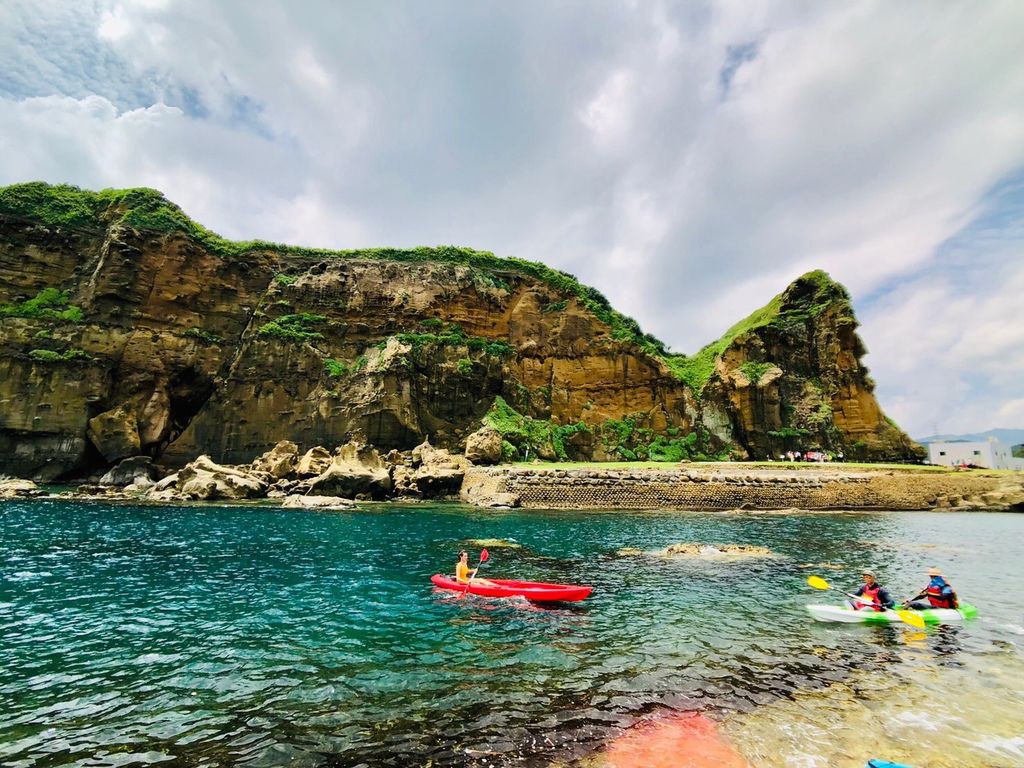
{"x":915,"y":712}
{"x":259,"y":636}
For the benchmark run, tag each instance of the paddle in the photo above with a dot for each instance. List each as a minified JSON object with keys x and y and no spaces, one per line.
{"x":907,"y":617}
{"x":483,"y":559}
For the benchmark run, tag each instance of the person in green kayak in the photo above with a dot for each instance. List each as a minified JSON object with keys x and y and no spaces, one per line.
{"x":463,"y":574}
{"x":872,"y":591}
{"x":940,"y":594}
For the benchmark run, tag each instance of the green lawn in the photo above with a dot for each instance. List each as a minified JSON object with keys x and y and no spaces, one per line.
{"x":780,"y":465}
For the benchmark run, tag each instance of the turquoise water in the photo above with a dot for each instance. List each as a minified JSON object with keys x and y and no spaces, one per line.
{"x":258,"y":636}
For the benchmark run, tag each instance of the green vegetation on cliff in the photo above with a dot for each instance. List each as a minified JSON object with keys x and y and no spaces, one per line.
{"x":527,"y":436}
{"x":50,"y":356}
{"x":293,"y":328}
{"x":48,"y":304}
{"x":63,"y":205}
{"x":444,"y":334}
{"x":804,"y":300}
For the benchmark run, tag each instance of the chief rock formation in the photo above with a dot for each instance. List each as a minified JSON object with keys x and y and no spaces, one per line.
{"x":127,"y":328}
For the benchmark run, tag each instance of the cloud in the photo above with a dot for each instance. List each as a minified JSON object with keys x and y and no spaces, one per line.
{"x":688,"y":160}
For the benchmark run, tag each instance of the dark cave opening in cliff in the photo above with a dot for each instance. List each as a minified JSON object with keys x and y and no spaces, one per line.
{"x":189,"y":391}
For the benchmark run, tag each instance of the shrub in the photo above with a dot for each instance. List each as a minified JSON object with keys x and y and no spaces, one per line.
{"x":48,"y":304}
{"x":285,"y":280}
{"x":754,"y":371}
{"x":49,"y":356}
{"x":293,"y":328}
{"x":205,"y":336}
{"x":465,"y":366}
{"x":336,"y":368}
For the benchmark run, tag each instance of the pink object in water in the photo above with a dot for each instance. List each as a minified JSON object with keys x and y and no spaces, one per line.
{"x":680,"y":741}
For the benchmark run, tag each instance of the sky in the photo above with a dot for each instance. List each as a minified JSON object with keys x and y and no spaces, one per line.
{"x":687,"y":159}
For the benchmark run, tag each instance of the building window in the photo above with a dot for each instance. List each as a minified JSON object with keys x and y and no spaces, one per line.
{"x":977,"y":453}
{"x":942,"y":453}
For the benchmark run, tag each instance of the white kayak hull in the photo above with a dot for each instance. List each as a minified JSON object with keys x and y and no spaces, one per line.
{"x":847,"y":615}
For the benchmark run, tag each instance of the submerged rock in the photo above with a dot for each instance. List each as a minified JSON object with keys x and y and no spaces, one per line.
{"x":316,"y":502}
{"x":493,"y":543}
{"x":696,"y":549}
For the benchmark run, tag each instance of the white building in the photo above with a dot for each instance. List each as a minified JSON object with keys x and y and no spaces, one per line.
{"x":991,"y":454}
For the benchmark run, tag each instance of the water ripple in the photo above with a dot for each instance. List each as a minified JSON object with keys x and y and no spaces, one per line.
{"x":257,"y":636}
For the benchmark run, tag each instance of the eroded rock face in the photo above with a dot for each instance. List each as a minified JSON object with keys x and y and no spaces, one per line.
{"x":115,"y":433}
{"x":203,"y":479}
{"x":355,"y":470}
{"x":12,"y":488}
{"x":438,"y":472}
{"x":314,"y":462}
{"x":280,"y":461}
{"x":185,"y":352}
{"x":797,"y":382}
{"x":137,"y":470}
{"x":484,"y":446}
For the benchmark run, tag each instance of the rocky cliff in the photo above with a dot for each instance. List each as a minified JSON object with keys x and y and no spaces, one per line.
{"x":127,"y":328}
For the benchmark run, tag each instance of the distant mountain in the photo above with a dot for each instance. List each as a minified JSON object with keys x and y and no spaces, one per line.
{"x":1004,"y":436}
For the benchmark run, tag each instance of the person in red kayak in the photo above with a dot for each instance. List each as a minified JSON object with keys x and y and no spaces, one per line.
{"x":873,"y":591}
{"x":940,"y":593}
{"x":463,"y":574}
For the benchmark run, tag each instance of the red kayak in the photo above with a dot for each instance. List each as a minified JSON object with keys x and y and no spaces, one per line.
{"x":535,"y":591}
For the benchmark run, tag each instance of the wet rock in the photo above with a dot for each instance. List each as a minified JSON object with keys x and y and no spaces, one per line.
{"x":484,"y":446}
{"x":168,"y":483}
{"x":493,"y":543}
{"x":280,"y":461}
{"x":136,"y":470}
{"x":115,"y":433}
{"x":203,"y":479}
{"x":15,"y":488}
{"x":316,"y":502}
{"x":356,"y":469}
{"x":694,"y":549}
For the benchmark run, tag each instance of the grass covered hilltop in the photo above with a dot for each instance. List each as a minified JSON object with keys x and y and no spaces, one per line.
{"x":158,"y":336}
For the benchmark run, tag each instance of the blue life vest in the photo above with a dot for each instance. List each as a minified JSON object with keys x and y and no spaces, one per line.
{"x":876,"y":763}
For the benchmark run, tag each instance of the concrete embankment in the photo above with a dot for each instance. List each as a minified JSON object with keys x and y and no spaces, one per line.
{"x":731,"y":487}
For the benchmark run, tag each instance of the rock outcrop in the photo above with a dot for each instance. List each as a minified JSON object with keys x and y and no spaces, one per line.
{"x":484,"y":446}
{"x":13,"y":488}
{"x":126,"y":329}
{"x":355,"y":471}
{"x":205,"y":480}
{"x":282,"y":460}
{"x":138,"y":470}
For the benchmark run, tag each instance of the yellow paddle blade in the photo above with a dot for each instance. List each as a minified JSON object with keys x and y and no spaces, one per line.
{"x":912,"y":618}
{"x":817,"y":582}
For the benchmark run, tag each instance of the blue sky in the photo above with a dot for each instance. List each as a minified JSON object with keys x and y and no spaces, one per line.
{"x":687,"y":159}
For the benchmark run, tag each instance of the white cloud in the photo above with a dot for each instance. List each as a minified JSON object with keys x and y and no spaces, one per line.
{"x":607,"y":114}
{"x":688,"y":160}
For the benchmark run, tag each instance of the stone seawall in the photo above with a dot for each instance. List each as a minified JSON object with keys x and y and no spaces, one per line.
{"x":726,"y":488}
